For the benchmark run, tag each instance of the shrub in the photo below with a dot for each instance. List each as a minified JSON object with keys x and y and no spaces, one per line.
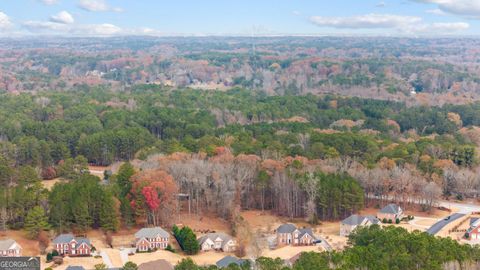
{"x":170,"y":248}
{"x":397,"y":221}
{"x":384,"y":220}
{"x":390,"y":221}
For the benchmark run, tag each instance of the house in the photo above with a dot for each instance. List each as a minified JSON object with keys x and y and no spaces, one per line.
{"x":67,"y":244}
{"x":151,"y":238}
{"x":290,"y":262}
{"x":10,"y":248}
{"x":217,"y":241}
{"x":390,"y":212}
{"x":352,"y":222}
{"x":288,"y":234}
{"x":156,"y":265}
{"x":227,"y":260}
{"x":74,"y":267}
{"x":473,"y":232}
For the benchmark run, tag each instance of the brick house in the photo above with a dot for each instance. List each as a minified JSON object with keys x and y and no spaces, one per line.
{"x":10,"y":248}
{"x":473,"y":232}
{"x":67,"y":244}
{"x":151,"y":238}
{"x":352,"y":222}
{"x":390,"y":212}
{"x":217,"y":241}
{"x":288,"y":234}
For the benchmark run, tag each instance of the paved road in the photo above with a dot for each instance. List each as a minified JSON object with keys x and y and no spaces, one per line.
{"x":444,"y":222}
{"x":106,"y":259}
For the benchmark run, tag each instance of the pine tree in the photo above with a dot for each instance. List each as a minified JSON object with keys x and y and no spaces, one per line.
{"x":36,"y":221}
{"x":108,"y":215}
{"x":123,"y":178}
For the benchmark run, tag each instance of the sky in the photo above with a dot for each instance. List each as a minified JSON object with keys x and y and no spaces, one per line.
{"x":240,"y":17}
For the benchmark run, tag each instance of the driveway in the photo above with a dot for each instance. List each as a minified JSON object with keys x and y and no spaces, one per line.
{"x":106,"y":259}
{"x":444,"y":222}
{"x":324,"y":243}
{"x":124,"y":254}
{"x":415,"y":222}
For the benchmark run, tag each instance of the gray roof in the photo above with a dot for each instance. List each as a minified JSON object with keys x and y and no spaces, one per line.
{"x":6,"y":244}
{"x":227,"y":260}
{"x":151,"y":233}
{"x":74,"y":267}
{"x":67,"y":237}
{"x":286,"y":228}
{"x":474,"y":221}
{"x":63,"y":238}
{"x":212,"y":236}
{"x":81,"y":240}
{"x":357,"y":220}
{"x":307,"y":231}
{"x":390,"y":209}
{"x":353,"y":220}
{"x":156,"y":265}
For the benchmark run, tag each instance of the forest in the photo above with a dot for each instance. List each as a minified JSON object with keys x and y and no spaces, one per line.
{"x":313,"y":157}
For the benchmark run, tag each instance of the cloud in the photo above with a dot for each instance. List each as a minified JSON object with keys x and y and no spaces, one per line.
{"x":468,"y":8}
{"x":365,"y":21}
{"x":436,"y":11}
{"x":402,"y":24}
{"x":104,"y":29}
{"x":62,"y":17}
{"x":97,"y":5}
{"x":296,"y":13}
{"x":49,"y":2}
{"x":39,"y":26}
{"x":381,"y":4}
{"x":5,"y":22}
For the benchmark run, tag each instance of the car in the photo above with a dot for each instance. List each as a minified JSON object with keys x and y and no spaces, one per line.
{"x":317,"y":241}
{"x":447,"y":218}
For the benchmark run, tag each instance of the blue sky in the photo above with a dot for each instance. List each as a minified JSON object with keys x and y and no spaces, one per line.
{"x":239,"y":17}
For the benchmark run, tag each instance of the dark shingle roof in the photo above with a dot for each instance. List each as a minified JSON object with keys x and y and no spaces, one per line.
{"x":63,"y":238}
{"x":151,"y":233}
{"x":286,"y":228}
{"x":357,"y":220}
{"x":307,"y":231}
{"x":353,"y":220}
{"x":74,"y":267}
{"x":227,"y":260}
{"x":390,"y":209}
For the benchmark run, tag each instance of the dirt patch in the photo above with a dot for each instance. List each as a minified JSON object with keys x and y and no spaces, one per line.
{"x":48,"y":184}
{"x":203,"y":258}
{"x":288,"y":252}
{"x":86,"y":262}
{"x":204,"y":223}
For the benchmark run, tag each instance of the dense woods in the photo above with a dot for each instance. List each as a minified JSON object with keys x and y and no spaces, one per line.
{"x":438,"y":70}
{"x":312,"y":157}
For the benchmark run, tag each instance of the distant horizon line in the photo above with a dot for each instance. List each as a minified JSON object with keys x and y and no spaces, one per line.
{"x":37,"y":36}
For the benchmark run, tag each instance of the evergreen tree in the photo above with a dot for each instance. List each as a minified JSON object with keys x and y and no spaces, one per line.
{"x":36,"y":221}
